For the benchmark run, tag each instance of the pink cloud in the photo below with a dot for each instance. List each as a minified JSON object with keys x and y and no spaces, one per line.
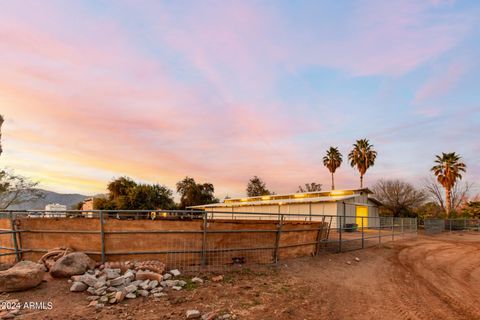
{"x":441,"y":83}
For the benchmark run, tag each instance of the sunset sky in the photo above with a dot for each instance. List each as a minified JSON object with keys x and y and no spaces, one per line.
{"x":224,"y":90}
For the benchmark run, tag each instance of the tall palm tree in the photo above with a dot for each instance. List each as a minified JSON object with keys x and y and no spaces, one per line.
{"x":363,"y":157}
{"x":332,"y":161}
{"x":448,"y":170}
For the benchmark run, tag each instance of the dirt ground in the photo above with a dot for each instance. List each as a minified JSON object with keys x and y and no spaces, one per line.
{"x":431,"y":277}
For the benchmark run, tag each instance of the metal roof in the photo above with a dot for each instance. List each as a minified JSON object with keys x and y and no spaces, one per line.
{"x":275,"y":202}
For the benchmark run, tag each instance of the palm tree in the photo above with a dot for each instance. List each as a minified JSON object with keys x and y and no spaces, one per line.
{"x":448,"y":170}
{"x":332,"y":161}
{"x":363,"y":157}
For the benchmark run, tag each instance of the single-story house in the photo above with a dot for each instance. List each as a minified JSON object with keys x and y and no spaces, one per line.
{"x":351,"y":205}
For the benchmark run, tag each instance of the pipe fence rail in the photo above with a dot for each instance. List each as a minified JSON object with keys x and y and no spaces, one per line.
{"x":193,"y":238}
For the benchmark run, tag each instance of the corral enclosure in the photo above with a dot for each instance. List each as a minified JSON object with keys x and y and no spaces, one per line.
{"x":180,"y":243}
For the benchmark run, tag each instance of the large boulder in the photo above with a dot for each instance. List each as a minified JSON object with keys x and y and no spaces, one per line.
{"x":22,"y":276}
{"x":72,"y":264}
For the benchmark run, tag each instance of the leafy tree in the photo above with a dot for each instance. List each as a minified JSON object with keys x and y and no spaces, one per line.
{"x":103,"y":203}
{"x":120,"y":187}
{"x":429,"y":210}
{"x":362,"y":157}
{"x":398,"y":198}
{"x":310,"y":187}
{"x":448,"y":170}
{"x":126,"y":194}
{"x":472,"y":209}
{"x":16,"y":189}
{"x":256,"y":187}
{"x":1,"y":122}
{"x":332,"y":161}
{"x":192,"y":193}
{"x":146,"y":197}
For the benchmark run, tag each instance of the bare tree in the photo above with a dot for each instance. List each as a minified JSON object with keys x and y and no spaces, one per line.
{"x":398,"y":197}
{"x":459,"y":193}
{"x":16,"y":189}
{"x":310,"y":187}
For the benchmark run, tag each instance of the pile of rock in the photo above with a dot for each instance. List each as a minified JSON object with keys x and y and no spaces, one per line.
{"x":107,"y":285}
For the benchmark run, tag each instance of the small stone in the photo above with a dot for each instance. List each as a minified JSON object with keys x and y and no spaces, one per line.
{"x":157,"y":289}
{"x":103,"y":299}
{"x":69,"y":281}
{"x":143,"y":293}
{"x":112,"y":300}
{"x":131,"y":288}
{"x":197,"y":280}
{"x":129,"y":274}
{"x":167,"y":276}
{"x":159,"y":294}
{"x":78,"y":286}
{"x":150,"y":275}
{"x":112,"y":289}
{"x":209,"y":316}
{"x":192,"y":314}
{"x":111,"y":273}
{"x":120,"y":295}
{"x":153,"y":284}
{"x":100,"y":284}
{"x":348,"y":262}
{"x":91,"y":290}
{"x":93,"y":303}
{"x":88,"y":279}
{"x":144,"y":284}
{"x":117,"y":281}
{"x":76,"y":278}
{"x":93,"y":298}
{"x":136,"y":282}
{"x":217,"y":278}
{"x":181,"y":283}
{"x":177,"y":288}
{"x":175,"y":272}
{"x":100,"y":291}
{"x":99,"y":306}
{"x":357,"y":259}
{"x":131,"y":296}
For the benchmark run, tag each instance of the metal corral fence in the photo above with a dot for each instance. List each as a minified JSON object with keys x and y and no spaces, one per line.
{"x":433,"y":226}
{"x":192,"y":238}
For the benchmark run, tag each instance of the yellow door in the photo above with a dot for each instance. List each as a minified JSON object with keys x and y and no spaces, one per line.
{"x":362,"y":212}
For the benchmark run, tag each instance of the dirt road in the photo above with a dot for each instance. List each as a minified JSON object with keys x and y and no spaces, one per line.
{"x":434,"y":277}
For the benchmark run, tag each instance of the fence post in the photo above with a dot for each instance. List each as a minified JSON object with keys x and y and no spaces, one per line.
{"x":204,"y":239}
{"x":277,"y":239}
{"x":401,"y":221}
{"x":393,"y":230}
{"x":14,"y":237}
{"x":379,"y":230}
{"x":102,"y":237}
{"x":340,"y":235}
{"x":363,"y":235}
{"x":320,"y":236}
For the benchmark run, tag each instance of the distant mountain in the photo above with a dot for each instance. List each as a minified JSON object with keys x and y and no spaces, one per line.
{"x":70,"y":200}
